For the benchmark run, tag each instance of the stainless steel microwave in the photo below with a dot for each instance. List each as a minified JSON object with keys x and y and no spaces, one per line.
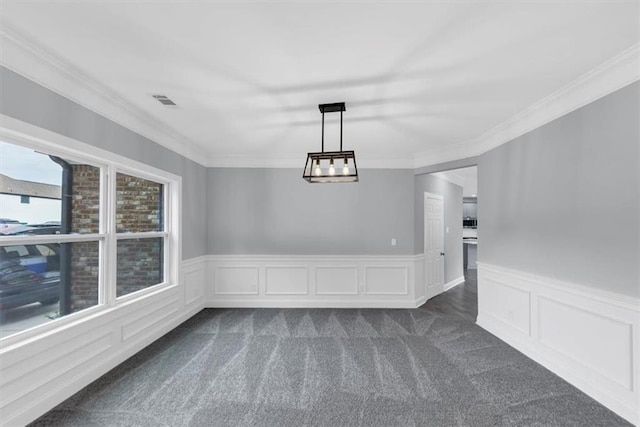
{"x":469,"y":222}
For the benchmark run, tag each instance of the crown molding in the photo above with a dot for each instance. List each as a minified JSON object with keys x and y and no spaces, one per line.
{"x":37,"y":64}
{"x":451,"y":177}
{"x":615,"y":73}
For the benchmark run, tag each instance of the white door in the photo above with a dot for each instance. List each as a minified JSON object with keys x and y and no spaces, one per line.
{"x":433,"y":244}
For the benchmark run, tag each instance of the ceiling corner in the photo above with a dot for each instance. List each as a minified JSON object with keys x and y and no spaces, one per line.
{"x":37,"y":64}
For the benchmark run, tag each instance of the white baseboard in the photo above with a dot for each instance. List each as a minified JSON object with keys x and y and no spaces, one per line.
{"x":452,"y":284}
{"x":588,"y":337}
{"x":283,"y":303}
{"x":98,"y":343}
{"x":421,"y":300}
{"x":313,"y":281}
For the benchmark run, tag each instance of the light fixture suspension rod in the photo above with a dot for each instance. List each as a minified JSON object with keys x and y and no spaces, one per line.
{"x":340,"y":130}
{"x":323,"y":131}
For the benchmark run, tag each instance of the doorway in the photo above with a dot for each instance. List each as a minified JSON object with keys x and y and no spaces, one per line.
{"x":457,"y":234}
{"x":434,"y":244}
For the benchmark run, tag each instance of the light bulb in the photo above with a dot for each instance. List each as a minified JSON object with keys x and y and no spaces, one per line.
{"x":317,"y":171}
{"x":345,"y":169}
{"x":332,"y":170}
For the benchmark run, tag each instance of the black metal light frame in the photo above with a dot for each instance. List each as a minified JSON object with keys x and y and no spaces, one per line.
{"x":330,"y":166}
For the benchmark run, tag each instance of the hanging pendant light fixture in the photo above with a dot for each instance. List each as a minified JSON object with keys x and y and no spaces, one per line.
{"x":331,"y":166}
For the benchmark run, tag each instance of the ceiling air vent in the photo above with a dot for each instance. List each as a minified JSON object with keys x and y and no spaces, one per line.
{"x":164,"y":100}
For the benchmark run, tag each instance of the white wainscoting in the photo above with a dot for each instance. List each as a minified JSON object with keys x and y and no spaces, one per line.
{"x":315,"y":281}
{"x":420,"y":287}
{"x":42,"y":371}
{"x":589,"y":337}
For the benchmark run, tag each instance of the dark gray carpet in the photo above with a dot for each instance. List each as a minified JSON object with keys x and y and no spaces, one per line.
{"x":308,"y":367}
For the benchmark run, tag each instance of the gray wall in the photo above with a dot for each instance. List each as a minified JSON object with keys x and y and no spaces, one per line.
{"x":27,"y":101}
{"x":274,"y":211}
{"x":452,"y":195}
{"x":563,"y":200}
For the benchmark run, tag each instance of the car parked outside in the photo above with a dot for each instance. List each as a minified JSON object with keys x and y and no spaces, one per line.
{"x":31,"y":229}
{"x":29,"y":273}
{"x":6,"y":222}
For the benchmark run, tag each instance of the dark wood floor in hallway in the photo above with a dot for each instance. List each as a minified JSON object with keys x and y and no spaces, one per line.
{"x":460,"y":301}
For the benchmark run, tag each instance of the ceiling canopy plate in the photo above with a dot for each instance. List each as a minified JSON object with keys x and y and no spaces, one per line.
{"x":332,"y":108}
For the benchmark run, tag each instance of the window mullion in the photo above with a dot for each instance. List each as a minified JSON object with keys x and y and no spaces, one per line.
{"x":141,"y":235}
{"x":49,"y":238}
{"x":103,"y":228}
{"x":111,"y":257}
{"x":166,"y":227}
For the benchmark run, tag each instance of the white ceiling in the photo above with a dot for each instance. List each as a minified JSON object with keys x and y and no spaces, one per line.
{"x":417,"y":77}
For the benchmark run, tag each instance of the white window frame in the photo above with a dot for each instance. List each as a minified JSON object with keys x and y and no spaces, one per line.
{"x":164,"y":234}
{"x":33,"y":137}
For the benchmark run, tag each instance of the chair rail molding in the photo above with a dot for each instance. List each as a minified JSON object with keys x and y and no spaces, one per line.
{"x":589,"y":337}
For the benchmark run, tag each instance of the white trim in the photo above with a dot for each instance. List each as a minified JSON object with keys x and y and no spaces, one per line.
{"x":613,"y":74}
{"x":315,"y":303}
{"x":141,"y":235}
{"x":51,"y":238}
{"x":606,"y":297}
{"x":99,"y":343}
{"x":111,"y":243}
{"x":17,"y":131}
{"x":195,"y":262}
{"x":35,"y":63}
{"x":21,"y":133}
{"x":312,"y":258}
{"x":394,"y":278}
{"x":102,"y":336}
{"x":39,"y":65}
{"x":433,"y":196}
{"x":46,"y":140}
{"x":433,"y":290}
{"x":103,"y":223}
{"x":453,"y":283}
{"x":421,"y":300}
{"x":545,"y":319}
{"x":451,"y":177}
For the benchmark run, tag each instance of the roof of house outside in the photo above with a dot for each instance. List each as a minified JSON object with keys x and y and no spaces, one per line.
{"x":19,"y":187}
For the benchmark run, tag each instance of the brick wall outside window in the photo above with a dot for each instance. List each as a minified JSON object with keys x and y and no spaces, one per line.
{"x":85,"y":219}
{"x":138,"y":209}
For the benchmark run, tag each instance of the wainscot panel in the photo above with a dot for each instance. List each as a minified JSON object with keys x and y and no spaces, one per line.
{"x":286,"y":281}
{"x":314,"y":281}
{"x":386,"y":280}
{"x":588,"y":337}
{"x":236,"y":280}
{"x":194,"y":278}
{"x":337,"y":281}
{"x":37,"y":373}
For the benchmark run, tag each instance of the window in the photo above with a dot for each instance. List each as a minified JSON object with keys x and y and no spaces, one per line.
{"x":140,"y":233}
{"x":25,"y":199}
{"x":92,"y":234}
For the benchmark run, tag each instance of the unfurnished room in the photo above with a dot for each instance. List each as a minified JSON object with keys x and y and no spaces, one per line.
{"x":338,"y":213}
